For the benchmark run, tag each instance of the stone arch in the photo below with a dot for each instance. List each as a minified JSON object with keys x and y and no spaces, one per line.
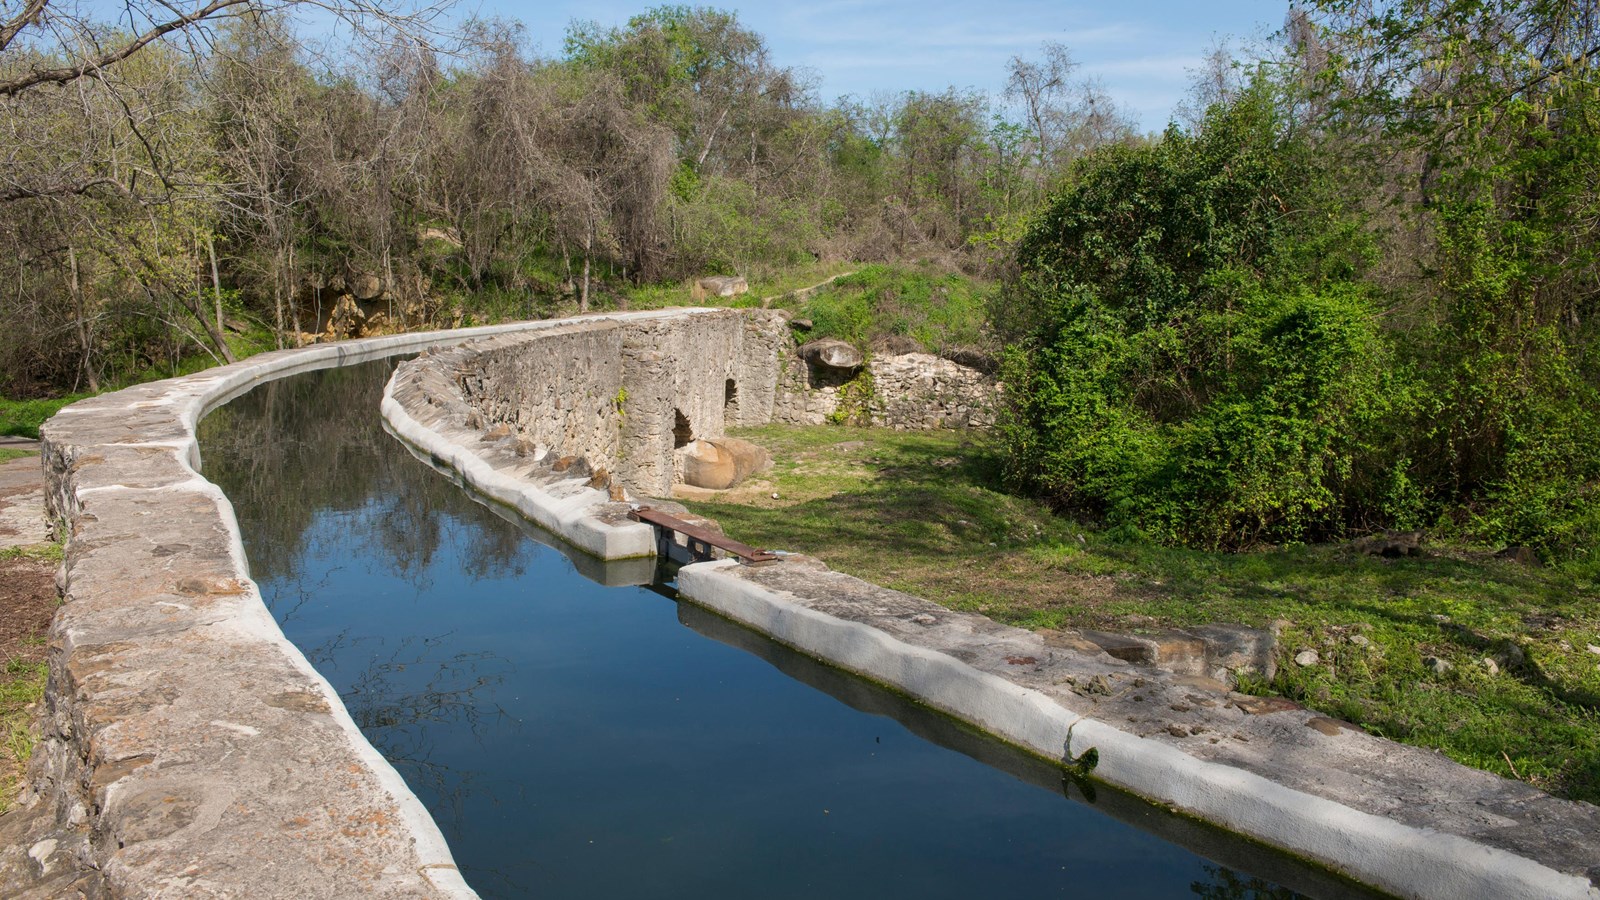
{"x":682,"y":430}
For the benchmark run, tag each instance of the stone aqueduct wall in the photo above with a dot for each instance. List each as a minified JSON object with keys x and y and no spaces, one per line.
{"x":615,"y":392}
{"x":190,"y":750}
{"x":621,"y":394}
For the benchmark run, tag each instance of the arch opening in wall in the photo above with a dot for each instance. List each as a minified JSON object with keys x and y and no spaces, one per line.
{"x":682,"y":431}
{"x":730,"y":403}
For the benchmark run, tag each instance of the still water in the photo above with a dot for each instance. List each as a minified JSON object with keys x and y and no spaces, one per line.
{"x":576,"y":740}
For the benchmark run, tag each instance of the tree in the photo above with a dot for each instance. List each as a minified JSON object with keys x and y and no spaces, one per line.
{"x":1041,"y":87}
{"x":1185,"y":365}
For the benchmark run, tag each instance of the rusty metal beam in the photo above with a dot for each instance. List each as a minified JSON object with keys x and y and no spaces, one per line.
{"x":701,"y":540}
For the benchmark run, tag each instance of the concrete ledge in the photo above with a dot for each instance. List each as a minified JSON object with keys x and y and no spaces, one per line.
{"x":195,"y":752}
{"x":423,"y":406}
{"x":189,"y":748}
{"x":1401,"y":819}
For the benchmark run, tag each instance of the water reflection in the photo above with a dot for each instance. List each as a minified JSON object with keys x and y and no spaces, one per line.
{"x":575,"y":740}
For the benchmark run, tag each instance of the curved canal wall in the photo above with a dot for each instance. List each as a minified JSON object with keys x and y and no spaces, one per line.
{"x":1402,"y":819}
{"x":188,"y":749}
{"x":192,"y":751}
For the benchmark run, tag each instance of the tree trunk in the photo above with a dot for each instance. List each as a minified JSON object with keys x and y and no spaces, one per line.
{"x":288,"y":290}
{"x":583,"y":291}
{"x":216,"y":282}
{"x":82,"y":317}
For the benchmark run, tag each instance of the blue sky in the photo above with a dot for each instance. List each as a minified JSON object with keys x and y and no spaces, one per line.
{"x":1142,"y":51}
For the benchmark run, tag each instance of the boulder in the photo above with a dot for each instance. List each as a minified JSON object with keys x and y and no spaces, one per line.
{"x":1390,"y":544}
{"x":718,"y":286}
{"x":720,"y":464}
{"x":831,"y":354}
{"x":366,"y":287}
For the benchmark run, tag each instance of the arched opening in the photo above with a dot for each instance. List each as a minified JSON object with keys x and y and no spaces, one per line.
{"x":682,"y":431}
{"x":730,"y":403}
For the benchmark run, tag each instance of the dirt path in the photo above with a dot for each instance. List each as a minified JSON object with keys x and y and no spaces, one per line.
{"x":35,"y":860}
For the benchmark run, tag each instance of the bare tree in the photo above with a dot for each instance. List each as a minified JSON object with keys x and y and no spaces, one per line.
{"x":1041,"y":86}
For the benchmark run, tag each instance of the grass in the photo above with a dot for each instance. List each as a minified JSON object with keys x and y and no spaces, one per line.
{"x":936,"y":309}
{"x":46,"y":553}
{"x":660,"y":296}
{"x":922,"y":512}
{"x":10,"y":453}
{"x":23,"y":417}
{"x":21,"y":686}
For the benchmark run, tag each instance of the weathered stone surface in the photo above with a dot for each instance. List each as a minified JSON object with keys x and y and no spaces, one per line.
{"x":22,"y":519}
{"x":590,"y":388}
{"x":917,"y":391}
{"x":913,"y":391}
{"x":1214,"y":651}
{"x":1391,"y":544}
{"x":720,"y":464}
{"x":718,"y":286}
{"x":365,"y":286}
{"x":832,"y":354}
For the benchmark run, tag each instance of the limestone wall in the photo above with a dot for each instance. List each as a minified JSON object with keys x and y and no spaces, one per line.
{"x":622,"y":394}
{"x":916,"y":391}
{"x":907,"y":392}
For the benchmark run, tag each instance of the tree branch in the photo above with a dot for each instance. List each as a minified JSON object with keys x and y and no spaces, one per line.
{"x":20,"y":192}
{"x":29,"y":15}
{"x":92,"y":67}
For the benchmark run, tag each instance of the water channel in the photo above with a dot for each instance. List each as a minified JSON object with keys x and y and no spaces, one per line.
{"x":578,"y":740}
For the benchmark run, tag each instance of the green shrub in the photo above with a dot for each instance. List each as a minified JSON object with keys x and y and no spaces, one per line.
{"x":23,"y":417}
{"x":1184,"y":367}
{"x":937,"y":310}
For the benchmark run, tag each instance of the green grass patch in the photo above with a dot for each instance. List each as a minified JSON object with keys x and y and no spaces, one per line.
{"x":49,"y":552}
{"x":21,"y":685}
{"x":23,"y":417}
{"x":10,"y":453}
{"x":935,"y":309}
{"x":923,"y":512}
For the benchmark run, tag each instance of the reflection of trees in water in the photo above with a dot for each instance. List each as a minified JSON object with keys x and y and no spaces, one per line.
{"x":295,"y":450}
{"x":398,"y":699}
{"x":1226,"y":884}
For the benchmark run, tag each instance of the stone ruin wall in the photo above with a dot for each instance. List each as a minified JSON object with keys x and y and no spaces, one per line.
{"x":622,"y":394}
{"x":909,"y":392}
{"x":625,"y":394}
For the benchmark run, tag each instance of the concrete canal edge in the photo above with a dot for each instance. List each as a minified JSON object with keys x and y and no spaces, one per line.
{"x":1401,"y":819}
{"x":840,"y":620}
{"x":188,"y":748}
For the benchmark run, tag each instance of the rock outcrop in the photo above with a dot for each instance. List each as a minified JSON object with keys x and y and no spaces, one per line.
{"x":720,"y":464}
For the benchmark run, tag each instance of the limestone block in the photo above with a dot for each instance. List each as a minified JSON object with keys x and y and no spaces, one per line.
{"x":831,"y":354}
{"x":720,"y":464}
{"x":719,"y":286}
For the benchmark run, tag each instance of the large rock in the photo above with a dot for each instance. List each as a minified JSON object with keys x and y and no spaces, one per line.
{"x":719,"y":286}
{"x":720,"y":464}
{"x":831,"y":354}
{"x":366,"y":286}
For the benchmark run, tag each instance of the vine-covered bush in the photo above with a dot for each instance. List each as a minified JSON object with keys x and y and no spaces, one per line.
{"x":1188,"y":362}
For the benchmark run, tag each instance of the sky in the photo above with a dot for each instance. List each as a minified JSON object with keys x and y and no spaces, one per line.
{"x":1141,"y":51}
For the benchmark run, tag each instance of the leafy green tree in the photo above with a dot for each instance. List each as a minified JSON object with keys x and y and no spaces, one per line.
{"x":1480,"y":122}
{"x":1190,"y":362}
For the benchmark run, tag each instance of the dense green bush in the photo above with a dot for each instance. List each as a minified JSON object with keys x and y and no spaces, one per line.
{"x":1187,"y":363}
{"x":1204,"y":351}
